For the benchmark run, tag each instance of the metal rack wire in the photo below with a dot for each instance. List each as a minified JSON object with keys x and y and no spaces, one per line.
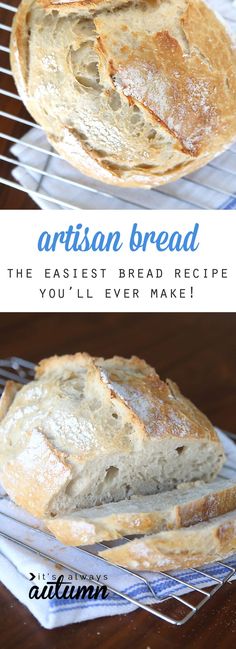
{"x":214,"y":186}
{"x":184,"y":606}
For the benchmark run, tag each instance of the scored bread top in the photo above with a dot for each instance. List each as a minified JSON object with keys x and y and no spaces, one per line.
{"x":157,"y":407}
{"x":134,"y":92}
{"x":172,"y":74}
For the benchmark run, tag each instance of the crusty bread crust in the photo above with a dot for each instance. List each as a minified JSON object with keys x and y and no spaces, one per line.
{"x":8,"y":396}
{"x":53,"y":363}
{"x":84,"y":5}
{"x":36,"y":475}
{"x":183,"y":548}
{"x":134,"y":383}
{"x":89,"y":430}
{"x":145,"y":514}
{"x":126,"y":103}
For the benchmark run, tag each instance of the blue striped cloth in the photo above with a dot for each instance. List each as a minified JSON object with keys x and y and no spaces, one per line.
{"x":16,"y":564}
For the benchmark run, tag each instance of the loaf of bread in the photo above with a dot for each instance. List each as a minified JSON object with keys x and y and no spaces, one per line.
{"x":132,"y":92}
{"x":88,"y":431}
{"x":183,"y":548}
{"x":181,"y":507}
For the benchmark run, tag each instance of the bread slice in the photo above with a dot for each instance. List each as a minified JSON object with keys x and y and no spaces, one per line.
{"x":182,"y":548}
{"x":88,"y":431}
{"x":180,"y":507}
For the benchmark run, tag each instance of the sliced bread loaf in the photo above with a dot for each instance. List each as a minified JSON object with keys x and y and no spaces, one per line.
{"x":180,"y":507}
{"x":88,"y":431}
{"x":183,"y":548}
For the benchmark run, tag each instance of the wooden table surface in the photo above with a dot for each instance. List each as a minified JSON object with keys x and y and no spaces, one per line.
{"x":198,"y":351}
{"x":10,"y":198}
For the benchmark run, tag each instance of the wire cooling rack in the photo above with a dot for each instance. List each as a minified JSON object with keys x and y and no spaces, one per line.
{"x":174,"y":609}
{"x":54,"y":184}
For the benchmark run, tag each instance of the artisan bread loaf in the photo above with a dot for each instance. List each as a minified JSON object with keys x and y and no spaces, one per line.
{"x":131,"y":92}
{"x":88,"y":431}
{"x":183,"y":548}
{"x":181,"y":507}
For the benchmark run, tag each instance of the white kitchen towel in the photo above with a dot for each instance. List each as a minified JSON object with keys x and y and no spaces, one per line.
{"x":192,"y":192}
{"x":212,"y":187}
{"x":17,"y":564}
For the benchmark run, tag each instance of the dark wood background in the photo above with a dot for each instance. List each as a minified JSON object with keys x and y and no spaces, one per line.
{"x":10,"y":198}
{"x":198,"y":351}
